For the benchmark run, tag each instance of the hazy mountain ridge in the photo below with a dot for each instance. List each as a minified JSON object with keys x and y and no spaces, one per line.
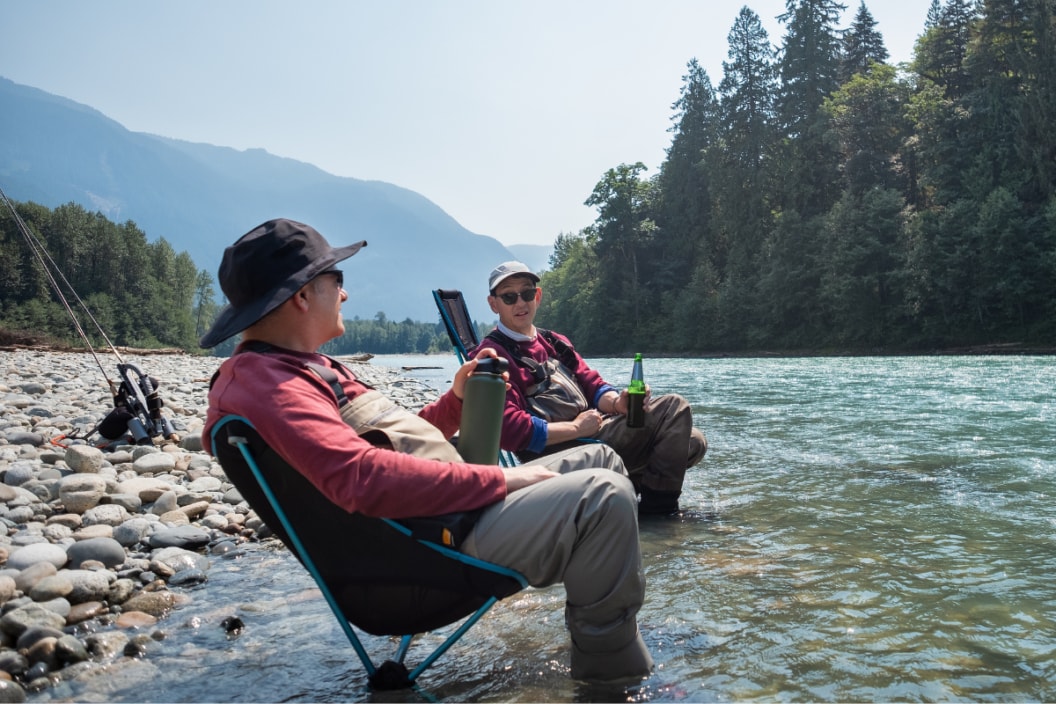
{"x":202,"y":197}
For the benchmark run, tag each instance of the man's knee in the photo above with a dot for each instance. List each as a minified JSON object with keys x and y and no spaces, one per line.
{"x":698,"y":446}
{"x":603,"y":456}
{"x":587,"y":455}
{"x":611,"y":494}
{"x":678,"y":406}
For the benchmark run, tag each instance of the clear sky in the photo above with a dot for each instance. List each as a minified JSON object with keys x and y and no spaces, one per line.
{"x":505,"y":114}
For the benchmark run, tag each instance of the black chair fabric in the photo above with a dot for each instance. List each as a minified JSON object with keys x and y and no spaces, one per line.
{"x":456,"y":320}
{"x":384,"y":581}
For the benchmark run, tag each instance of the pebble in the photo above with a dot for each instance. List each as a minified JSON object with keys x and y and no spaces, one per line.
{"x":95,"y":544}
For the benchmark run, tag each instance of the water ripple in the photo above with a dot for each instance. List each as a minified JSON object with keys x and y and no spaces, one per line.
{"x":862,"y":529}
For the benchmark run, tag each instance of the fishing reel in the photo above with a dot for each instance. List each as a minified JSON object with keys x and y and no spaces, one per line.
{"x":137,"y":409}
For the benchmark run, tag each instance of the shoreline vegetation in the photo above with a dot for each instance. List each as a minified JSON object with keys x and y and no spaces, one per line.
{"x":25,"y":340}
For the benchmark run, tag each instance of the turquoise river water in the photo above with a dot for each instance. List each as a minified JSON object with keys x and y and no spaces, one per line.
{"x":861,"y":529}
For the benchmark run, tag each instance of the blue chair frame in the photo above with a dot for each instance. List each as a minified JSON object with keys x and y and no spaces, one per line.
{"x":237,"y":433}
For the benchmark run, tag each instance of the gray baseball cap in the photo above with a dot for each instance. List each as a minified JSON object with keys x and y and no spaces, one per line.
{"x":506,"y":270}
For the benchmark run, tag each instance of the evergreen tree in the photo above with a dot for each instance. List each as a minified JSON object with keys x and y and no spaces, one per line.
{"x":860,"y":296}
{"x":742,"y":192}
{"x":862,"y":45}
{"x":868,"y":121}
{"x":569,"y":303}
{"x":809,"y":64}
{"x":1037,"y":133}
{"x":934,"y":15}
{"x":809,"y":72}
{"x":683,"y":213}
{"x":941,"y":51}
{"x":877,"y":212}
{"x":625,"y":231}
{"x":999,"y":75}
{"x":806,"y":165}
{"x":135,"y":293}
{"x":861,"y":260}
{"x":204,"y":308}
{"x":943,"y":156}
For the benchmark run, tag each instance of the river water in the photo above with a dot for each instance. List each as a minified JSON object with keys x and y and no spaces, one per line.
{"x":861,"y":529}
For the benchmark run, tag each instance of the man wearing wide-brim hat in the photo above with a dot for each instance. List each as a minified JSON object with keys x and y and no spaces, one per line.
{"x":579,"y":527}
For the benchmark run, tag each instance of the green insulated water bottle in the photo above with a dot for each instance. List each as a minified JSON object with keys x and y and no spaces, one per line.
{"x":485,"y":397}
{"x":636,"y":395}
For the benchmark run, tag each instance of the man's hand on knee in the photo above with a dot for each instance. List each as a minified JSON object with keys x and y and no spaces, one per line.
{"x":525,"y":475}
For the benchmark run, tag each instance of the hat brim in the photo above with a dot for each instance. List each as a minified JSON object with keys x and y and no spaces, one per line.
{"x":232,"y":320}
{"x":500,"y":279}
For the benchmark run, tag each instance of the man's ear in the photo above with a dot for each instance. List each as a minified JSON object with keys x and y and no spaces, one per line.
{"x":300,"y":299}
{"x":494,"y":306}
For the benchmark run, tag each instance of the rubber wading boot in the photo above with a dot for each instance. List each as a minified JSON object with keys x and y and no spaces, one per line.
{"x":658,"y":503}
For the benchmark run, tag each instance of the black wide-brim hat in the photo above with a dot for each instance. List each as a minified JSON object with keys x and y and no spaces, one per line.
{"x":264,"y":268}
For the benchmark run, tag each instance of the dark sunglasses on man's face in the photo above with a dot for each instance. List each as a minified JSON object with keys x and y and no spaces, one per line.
{"x":337,"y":273}
{"x":510,"y":298}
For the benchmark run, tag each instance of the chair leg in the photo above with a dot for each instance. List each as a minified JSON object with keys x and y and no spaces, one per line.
{"x":353,"y":639}
{"x":391,"y":674}
{"x":401,"y":652}
{"x":451,"y":639}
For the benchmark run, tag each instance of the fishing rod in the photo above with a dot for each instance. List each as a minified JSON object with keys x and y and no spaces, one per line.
{"x":137,"y":404}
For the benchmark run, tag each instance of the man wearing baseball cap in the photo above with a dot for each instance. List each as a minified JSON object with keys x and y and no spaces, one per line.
{"x":548,"y":523}
{"x":555,"y":399}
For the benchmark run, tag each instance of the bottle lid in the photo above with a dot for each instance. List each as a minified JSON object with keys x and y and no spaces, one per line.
{"x":491,"y":365}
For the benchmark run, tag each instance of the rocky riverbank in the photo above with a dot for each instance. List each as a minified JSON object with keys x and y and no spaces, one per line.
{"x":97,"y":547}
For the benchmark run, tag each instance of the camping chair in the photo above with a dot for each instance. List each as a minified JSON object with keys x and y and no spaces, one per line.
{"x":374,"y":573}
{"x":455,"y":316}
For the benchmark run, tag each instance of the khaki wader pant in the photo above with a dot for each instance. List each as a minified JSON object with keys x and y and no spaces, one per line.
{"x":580,"y":528}
{"x":658,"y":454}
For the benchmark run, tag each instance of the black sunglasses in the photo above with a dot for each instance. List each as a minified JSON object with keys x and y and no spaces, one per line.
{"x":510,"y":298}
{"x":338,"y":274}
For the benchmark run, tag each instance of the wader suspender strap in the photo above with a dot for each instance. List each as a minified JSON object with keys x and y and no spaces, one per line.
{"x":330,"y":377}
{"x":325,"y":373}
{"x":565,"y":354}
{"x":555,"y":393}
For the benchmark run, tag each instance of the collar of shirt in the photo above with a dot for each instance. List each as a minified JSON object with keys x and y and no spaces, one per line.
{"x":515,"y":335}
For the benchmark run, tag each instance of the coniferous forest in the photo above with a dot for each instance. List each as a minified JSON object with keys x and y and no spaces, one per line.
{"x":819,"y":198}
{"x":138,"y":293}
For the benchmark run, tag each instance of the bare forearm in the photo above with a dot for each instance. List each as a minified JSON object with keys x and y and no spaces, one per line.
{"x":585,"y":425}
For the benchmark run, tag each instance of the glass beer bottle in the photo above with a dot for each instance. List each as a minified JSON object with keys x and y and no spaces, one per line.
{"x":636,"y":395}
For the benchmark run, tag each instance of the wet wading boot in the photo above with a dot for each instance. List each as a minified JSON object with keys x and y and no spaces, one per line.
{"x":658,"y":503}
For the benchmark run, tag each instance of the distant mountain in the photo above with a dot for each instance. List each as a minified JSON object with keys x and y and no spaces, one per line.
{"x":536,"y":256}
{"x":201,"y":198}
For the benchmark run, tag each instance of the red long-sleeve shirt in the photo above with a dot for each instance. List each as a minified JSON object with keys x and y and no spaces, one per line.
{"x":296,"y":414}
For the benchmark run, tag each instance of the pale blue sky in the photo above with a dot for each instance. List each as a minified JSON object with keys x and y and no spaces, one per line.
{"x":505,"y":114}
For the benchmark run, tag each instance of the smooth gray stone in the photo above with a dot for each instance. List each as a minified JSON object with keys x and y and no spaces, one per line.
{"x":105,"y":550}
{"x":29,"y":555}
{"x":187,"y":537}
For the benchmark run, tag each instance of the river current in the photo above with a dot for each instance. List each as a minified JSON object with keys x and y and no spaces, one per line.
{"x":861,"y":529}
